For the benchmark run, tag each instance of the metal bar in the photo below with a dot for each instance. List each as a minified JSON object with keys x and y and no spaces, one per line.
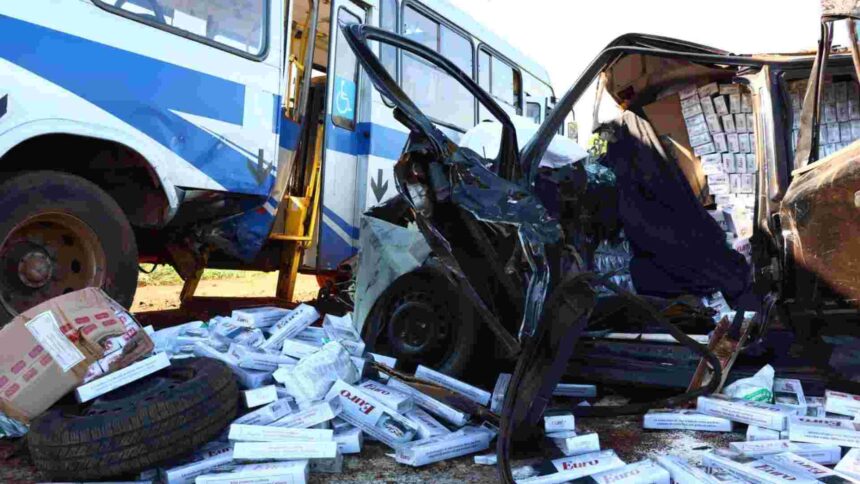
{"x":311,"y":37}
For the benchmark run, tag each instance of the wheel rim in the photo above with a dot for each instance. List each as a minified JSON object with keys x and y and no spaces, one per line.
{"x":45,"y":256}
{"x":419,"y":328}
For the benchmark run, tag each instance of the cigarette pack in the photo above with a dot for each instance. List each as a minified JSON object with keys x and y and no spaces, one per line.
{"x":362,"y":409}
{"x":689,"y":103}
{"x":475,"y":394}
{"x":741,"y":123}
{"x":291,"y":472}
{"x":703,"y":150}
{"x":756,"y":433}
{"x":342,"y":330}
{"x":708,"y":108}
{"x":292,"y":450}
{"x":747,"y":183}
{"x":751,"y":413}
{"x":259,"y":317}
{"x":807,"y":468}
{"x":119,"y":378}
{"x":437,"y":408}
{"x":744,"y":142}
{"x":498,"y":398}
{"x":733,"y":142}
{"x":683,"y":471}
{"x":575,"y":390}
{"x":735,"y":103}
{"x":713,"y":164}
{"x":824,"y":431}
{"x":312,"y":415}
{"x":729,"y":89}
{"x":261,"y":433}
{"x":788,"y":393}
{"x":349,"y":441}
{"x":201,"y":462}
{"x":256,"y":359}
{"x":729,"y":123}
{"x":682,"y":419}
{"x":720,"y":106}
{"x":311,"y":335}
{"x":572,"y":444}
{"x":815,"y":407}
{"x":269,"y":413}
{"x":709,"y":90}
{"x":486,"y":459}
{"x":465,"y":441}
{"x":688,"y":92}
{"x":393,"y":399}
{"x":574,"y":467}
{"x":427,"y":425}
{"x":751,"y":125}
{"x":746,"y":103}
{"x":721,"y":142}
{"x":756,"y":471}
{"x":828,"y":454}
{"x":290,"y":325}
{"x":260,"y":396}
{"x":735,"y":184}
{"x":697,"y":125}
{"x":559,"y":422}
{"x":643,"y":472}
{"x":700,"y":139}
{"x":752,"y":165}
{"x":841,"y":403}
{"x":850,"y":464}
{"x":298,"y":349}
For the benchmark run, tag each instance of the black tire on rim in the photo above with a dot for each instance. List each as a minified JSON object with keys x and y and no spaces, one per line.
{"x":162,"y":417}
{"x":425,"y":321}
{"x":60,"y":233}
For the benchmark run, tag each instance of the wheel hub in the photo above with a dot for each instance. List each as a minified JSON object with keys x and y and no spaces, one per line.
{"x":35,"y":269}
{"x":416,"y":327}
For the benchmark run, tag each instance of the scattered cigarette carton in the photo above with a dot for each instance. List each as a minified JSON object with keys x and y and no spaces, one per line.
{"x":200,"y":463}
{"x":850,"y":464}
{"x":841,"y":403}
{"x":575,"y":390}
{"x":560,"y":422}
{"x":572,"y":444}
{"x":311,"y":378}
{"x":570,"y":468}
{"x":311,"y":335}
{"x":298,"y":349}
{"x":756,"y":433}
{"x":497,"y":400}
{"x":753,"y":471}
{"x":807,"y":468}
{"x":326,"y":466}
{"x":263,"y":317}
{"x":643,"y":472}
{"x":751,"y":413}
{"x":290,"y":325}
{"x":291,"y":472}
{"x":363,"y":410}
{"x":437,"y":408}
{"x":682,"y":419}
{"x":427,"y":425}
{"x":828,"y":454}
{"x":260,"y":396}
{"x":285,"y":450}
{"x":344,"y":331}
{"x":788,"y":393}
{"x":683,"y":471}
{"x":311,"y":415}
{"x":349,"y":441}
{"x":393,"y":399}
{"x":256,"y":359}
{"x":260,"y":433}
{"x":475,"y":394}
{"x":465,"y":441}
{"x":824,"y":431}
{"x":486,"y":459}
{"x":119,"y":378}
{"x":269,"y":413}
{"x":815,"y":407}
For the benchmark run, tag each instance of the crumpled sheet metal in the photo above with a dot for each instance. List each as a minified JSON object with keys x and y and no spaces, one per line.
{"x":840,"y":8}
{"x":388,"y":251}
{"x":819,"y":220}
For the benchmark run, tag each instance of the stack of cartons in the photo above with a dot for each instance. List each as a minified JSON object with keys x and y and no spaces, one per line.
{"x":840,"y":115}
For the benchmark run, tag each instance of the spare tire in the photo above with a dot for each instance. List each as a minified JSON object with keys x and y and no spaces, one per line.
{"x":134,"y":428}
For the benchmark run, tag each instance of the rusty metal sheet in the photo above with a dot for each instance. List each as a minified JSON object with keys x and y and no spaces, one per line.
{"x":840,"y":8}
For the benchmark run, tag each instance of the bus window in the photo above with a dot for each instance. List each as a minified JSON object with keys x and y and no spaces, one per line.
{"x":346,"y":76}
{"x":242,"y":29}
{"x":388,"y":21}
{"x":501,"y":80}
{"x":502,"y":84}
{"x":484,"y":70}
{"x":434,"y":92}
{"x":533,"y":112}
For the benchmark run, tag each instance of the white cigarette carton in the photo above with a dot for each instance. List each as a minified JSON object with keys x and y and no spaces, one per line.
{"x":824,"y":431}
{"x":260,"y":396}
{"x":643,"y":472}
{"x":290,"y":325}
{"x":201,"y":462}
{"x":735,"y":103}
{"x":751,"y":413}
{"x":465,"y":441}
{"x":709,"y":90}
{"x":708,"y":108}
{"x":841,"y":403}
{"x":570,"y":468}
{"x":437,"y":408}
{"x":734,"y":146}
{"x":260,"y":317}
{"x":342,"y":330}
{"x":311,"y":335}
{"x":756,"y":434}
{"x":721,"y":142}
{"x":729,"y":124}
{"x":703,"y":150}
{"x":850,"y":464}
{"x":384,"y":360}
{"x":746,"y":103}
{"x":827,"y":454}
{"x":788,"y":393}
{"x":683,"y":471}
{"x":559,"y":422}
{"x":497,"y":401}
{"x":393,"y":399}
{"x":247,"y":378}
{"x":119,"y":378}
{"x":755,"y":471}
{"x":682,"y":419}
{"x":311,"y":415}
{"x":475,"y":394}
{"x":744,"y":142}
{"x":729,"y":89}
{"x":293,"y":450}
{"x":712,"y":121}
{"x":256,"y":359}
{"x":688,"y":92}
{"x":741,"y":123}
{"x":575,"y":390}
{"x":572,"y":444}
{"x":269,"y":413}
{"x":807,"y":468}
{"x":290,"y":472}
{"x":363,"y":410}
{"x":721,"y":106}
{"x":260,"y":433}
{"x":349,"y":441}
{"x":815,"y":407}
{"x":427,"y":425}
{"x":298,"y":349}
{"x":486,"y":459}
{"x":700,"y":139}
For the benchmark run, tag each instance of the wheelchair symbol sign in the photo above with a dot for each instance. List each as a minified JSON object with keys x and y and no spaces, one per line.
{"x":344,"y":99}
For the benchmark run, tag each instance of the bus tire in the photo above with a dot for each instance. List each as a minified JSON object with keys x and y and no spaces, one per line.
{"x":159,"y":418}
{"x":60,"y":233}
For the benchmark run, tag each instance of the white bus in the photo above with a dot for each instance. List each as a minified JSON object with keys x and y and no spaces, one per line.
{"x":213,"y":133}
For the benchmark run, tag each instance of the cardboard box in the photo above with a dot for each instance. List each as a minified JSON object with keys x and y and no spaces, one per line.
{"x":393,"y":399}
{"x":751,"y":413}
{"x":292,"y":450}
{"x":477,"y":395}
{"x":260,"y":396}
{"x":574,"y":467}
{"x":559,"y":422}
{"x":806,"y":468}
{"x":841,"y":403}
{"x":435,"y":407}
{"x":264,"y":317}
{"x":465,"y":441}
{"x":119,"y":378}
{"x":363,"y":410}
{"x":572,"y":444}
{"x":642,"y":472}
{"x":262,"y":433}
{"x":427,"y":425}
{"x":682,"y":419}
{"x":291,"y":472}
{"x":46,"y":351}
{"x":201,"y":462}
{"x":824,"y":431}
{"x":850,"y":464}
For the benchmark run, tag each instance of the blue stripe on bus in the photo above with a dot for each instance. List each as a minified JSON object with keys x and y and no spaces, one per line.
{"x":366,"y":139}
{"x":332,"y":248}
{"x":341,"y":223}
